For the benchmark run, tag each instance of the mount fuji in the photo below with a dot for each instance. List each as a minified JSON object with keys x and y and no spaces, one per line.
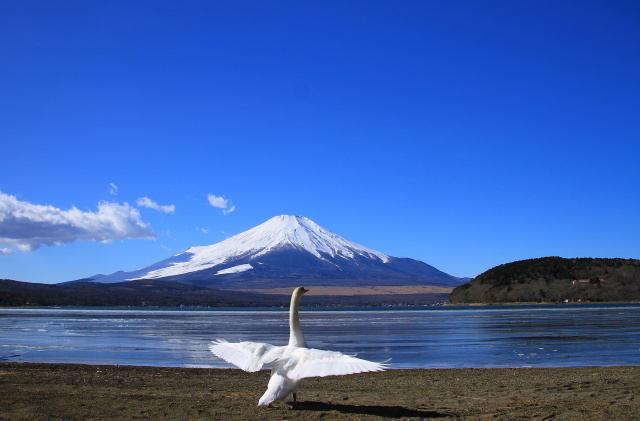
{"x":288,"y":251}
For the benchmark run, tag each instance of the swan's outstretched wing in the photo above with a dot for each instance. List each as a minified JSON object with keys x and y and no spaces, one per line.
{"x":309,"y":362}
{"x":246,"y":355}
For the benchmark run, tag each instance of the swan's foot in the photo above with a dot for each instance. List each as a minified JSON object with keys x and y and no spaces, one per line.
{"x":295,"y":404}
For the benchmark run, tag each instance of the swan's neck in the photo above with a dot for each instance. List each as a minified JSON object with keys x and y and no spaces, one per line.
{"x":296,"y":338}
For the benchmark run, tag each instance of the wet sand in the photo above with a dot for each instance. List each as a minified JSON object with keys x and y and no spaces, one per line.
{"x":30,"y":391}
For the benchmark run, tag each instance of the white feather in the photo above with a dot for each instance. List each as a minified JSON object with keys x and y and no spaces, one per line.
{"x":309,"y":362}
{"x":245,"y":355}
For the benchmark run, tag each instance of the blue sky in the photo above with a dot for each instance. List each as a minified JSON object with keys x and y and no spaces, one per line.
{"x":464,"y":134}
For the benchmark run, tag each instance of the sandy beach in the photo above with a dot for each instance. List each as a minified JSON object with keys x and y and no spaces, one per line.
{"x":89,"y":392}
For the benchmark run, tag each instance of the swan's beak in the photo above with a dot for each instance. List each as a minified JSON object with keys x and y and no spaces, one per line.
{"x":304,"y":289}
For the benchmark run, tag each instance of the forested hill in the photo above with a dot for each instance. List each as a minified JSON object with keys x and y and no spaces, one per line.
{"x":554,"y":279}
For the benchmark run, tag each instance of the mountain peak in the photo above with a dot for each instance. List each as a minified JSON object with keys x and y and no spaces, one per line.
{"x":299,"y":232}
{"x":286,"y":223}
{"x":283,"y":250}
{"x":280,"y":233}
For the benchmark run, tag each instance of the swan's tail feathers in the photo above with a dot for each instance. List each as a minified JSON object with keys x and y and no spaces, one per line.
{"x":244,"y":355}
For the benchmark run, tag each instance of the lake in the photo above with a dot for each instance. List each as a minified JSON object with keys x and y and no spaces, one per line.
{"x":423,"y":337}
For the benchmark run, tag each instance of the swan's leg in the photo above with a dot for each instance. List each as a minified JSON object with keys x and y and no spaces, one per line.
{"x":294,"y":404}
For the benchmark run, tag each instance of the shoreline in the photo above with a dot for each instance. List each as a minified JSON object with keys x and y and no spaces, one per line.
{"x":38,"y":391}
{"x":340,"y":307}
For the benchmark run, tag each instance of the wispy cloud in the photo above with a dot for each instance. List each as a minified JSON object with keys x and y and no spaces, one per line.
{"x":221,"y":203}
{"x":148,"y":203}
{"x":28,"y":226}
{"x":113,"y":189}
{"x":5,"y":251}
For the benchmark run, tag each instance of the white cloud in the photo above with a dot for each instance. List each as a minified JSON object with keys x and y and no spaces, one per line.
{"x":113,"y":190}
{"x":28,"y":226}
{"x":148,"y":203}
{"x":218,"y":202}
{"x":221,"y":203}
{"x":5,"y":251}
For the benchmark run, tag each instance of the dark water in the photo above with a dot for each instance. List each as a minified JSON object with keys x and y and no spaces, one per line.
{"x":430,"y":337}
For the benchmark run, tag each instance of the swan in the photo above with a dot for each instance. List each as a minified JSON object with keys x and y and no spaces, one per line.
{"x":292,"y":363}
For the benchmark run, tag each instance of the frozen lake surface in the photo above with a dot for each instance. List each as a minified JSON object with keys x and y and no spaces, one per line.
{"x":425,"y":337}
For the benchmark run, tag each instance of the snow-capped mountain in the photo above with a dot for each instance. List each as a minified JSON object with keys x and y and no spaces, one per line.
{"x":282,"y":252}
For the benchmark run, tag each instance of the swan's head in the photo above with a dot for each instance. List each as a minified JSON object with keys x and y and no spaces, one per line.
{"x":299,"y":291}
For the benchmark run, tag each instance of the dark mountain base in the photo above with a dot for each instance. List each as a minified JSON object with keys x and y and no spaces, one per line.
{"x":127,"y":294}
{"x":146,"y":293}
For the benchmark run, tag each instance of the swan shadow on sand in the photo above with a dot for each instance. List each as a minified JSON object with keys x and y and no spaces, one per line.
{"x":379,"y":410}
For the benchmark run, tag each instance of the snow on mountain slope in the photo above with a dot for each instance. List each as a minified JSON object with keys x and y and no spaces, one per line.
{"x":235,"y":269}
{"x":280,"y":232}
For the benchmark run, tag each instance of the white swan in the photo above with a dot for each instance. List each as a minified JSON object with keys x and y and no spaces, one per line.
{"x":292,"y":363}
